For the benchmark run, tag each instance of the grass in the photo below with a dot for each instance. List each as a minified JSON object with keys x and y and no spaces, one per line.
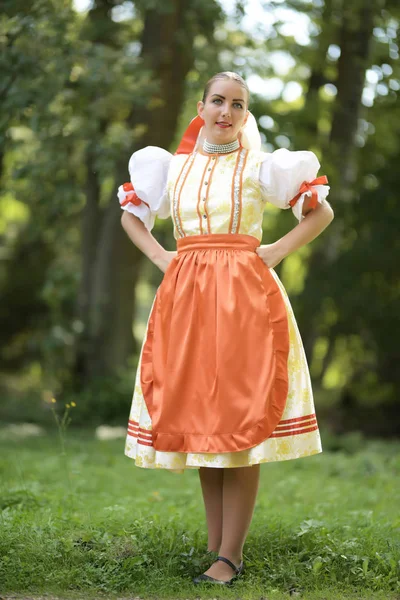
{"x":92,"y":525}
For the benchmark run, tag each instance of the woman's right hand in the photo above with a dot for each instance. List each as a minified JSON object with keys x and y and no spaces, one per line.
{"x":164,"y":260}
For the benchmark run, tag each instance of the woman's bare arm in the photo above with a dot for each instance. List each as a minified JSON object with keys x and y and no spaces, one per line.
{"x":145,"y":241}
{"x":306,"y":231}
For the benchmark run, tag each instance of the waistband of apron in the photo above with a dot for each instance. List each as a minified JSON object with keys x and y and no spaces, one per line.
{"x":224,"y":241}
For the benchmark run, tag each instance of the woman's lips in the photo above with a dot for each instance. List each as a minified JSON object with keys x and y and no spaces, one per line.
{"x":223,"y":125}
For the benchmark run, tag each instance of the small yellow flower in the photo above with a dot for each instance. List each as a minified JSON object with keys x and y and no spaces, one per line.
{"x":53,"y":400}
{"x":68,"y":405}
{"x":73,"y":404}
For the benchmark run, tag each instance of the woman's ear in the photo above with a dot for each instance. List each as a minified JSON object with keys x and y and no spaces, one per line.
{"x":200,"y":109}
{"x":246,"y":117}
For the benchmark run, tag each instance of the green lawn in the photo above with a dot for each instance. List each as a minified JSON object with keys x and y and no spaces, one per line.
{"x":96,"y":526}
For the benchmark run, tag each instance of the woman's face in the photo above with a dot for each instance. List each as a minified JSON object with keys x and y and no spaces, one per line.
{"x":224,"y":111}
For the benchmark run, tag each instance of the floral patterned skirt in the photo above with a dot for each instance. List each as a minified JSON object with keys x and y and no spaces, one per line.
{"x":276,"y":383}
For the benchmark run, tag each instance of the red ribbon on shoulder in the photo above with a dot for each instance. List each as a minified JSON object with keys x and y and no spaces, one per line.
{"x":131,"y":198}
{"x":306,"y":186}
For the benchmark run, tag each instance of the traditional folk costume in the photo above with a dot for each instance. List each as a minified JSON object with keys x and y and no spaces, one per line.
{"x":222,"y":379}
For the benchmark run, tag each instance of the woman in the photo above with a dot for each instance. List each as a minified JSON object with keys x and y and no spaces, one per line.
{"x":222,"y":383}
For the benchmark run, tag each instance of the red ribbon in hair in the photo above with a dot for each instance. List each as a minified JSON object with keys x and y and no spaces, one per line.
{"x":189,"y":138}
{"x":131,"y":198}
{"x":306,"y":186}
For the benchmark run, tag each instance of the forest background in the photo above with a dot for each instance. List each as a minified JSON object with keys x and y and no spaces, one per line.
{"x":80,"y":90}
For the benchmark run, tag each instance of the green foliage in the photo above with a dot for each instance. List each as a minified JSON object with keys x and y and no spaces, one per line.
{"x":325,"y":525}
{"x":104,"y":400}
{"x":73,"y":99}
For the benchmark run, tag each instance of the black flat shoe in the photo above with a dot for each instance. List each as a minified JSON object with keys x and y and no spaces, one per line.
{"x":207,"y":579}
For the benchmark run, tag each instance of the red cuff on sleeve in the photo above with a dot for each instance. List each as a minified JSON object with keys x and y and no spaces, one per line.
{"x":132,"y":197}
{"x":306,"y":186}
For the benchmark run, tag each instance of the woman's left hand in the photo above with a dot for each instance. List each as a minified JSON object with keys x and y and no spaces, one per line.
{"x":271,"y":254}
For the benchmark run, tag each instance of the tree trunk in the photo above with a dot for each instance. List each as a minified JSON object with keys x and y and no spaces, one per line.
{"x":355,"y":37}
{"x":167,"y":50}
{"x":310,"y":114}
{"x":355,"y":40}
{"x":91,"y":220}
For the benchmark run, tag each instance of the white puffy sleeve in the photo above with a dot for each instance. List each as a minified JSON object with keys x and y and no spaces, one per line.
{"x":146,"y":195}
{"x":287,"y":178}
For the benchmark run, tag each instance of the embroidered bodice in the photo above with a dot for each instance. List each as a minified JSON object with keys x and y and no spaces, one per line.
{"x":216,"y":194}
{"x":221,"y":193}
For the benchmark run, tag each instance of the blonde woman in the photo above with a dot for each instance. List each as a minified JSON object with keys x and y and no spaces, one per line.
{"x":222,"y":384}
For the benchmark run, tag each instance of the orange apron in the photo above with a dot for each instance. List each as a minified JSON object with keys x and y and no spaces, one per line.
{"x":214,"y":363}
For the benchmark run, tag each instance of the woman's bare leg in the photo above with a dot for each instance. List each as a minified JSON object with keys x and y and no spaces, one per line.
{"x":240,"y":486}
{"x":211,"y":485}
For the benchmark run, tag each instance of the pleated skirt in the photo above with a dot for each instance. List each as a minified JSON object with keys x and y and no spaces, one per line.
{"x":222,"y":379}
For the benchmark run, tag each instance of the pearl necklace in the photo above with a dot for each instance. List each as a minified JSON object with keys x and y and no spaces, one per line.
{"x":220,"y":148}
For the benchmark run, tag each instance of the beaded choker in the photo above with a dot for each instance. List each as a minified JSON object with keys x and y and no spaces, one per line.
{"x":220,"y":148}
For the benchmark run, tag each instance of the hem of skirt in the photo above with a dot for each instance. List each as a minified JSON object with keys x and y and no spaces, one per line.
{"x":222,"y":443}
{"x":187,"y":466}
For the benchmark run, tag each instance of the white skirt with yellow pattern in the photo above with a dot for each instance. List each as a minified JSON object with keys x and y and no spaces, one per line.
{"x":296,"y":435}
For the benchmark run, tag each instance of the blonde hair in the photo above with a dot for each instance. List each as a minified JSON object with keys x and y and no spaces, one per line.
{"x":226,"y":75}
